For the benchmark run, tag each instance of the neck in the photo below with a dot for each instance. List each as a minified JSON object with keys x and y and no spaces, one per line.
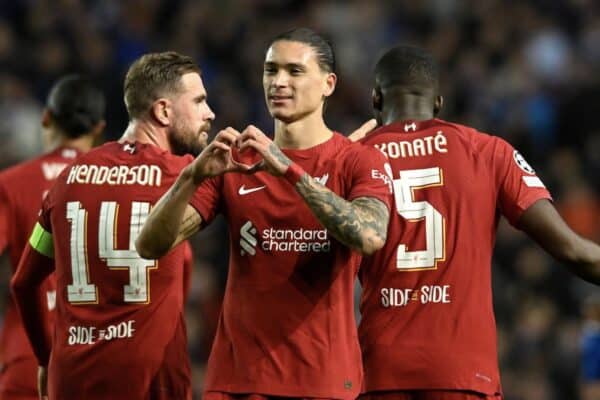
{"x":143,"y":131}
{"x":302,"y":134}
{"x":82,"y":143}
{"x":391,"y":116}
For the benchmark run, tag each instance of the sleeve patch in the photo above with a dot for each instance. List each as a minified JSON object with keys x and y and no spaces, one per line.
{"x":41,"y":240}
{"x":524,"y":165}
{"x":533,"y":181}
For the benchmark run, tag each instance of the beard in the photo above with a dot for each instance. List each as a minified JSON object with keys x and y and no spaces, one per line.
{"x":185,"y":141}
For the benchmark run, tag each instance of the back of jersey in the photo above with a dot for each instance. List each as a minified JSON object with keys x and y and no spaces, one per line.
{"x":427,"y":303}
{"x":110,"y":301}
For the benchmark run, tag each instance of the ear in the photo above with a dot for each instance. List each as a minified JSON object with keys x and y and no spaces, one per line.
{"x":162,"y":111}
{"x":437,"y":105}
{"x":46,"y":118}
{"x":330,"y":83}
{"x":377,"y":98}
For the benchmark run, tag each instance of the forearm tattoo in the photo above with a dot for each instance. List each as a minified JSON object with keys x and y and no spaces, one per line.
{"x":359,"y":224}
{"x":278,"y":154}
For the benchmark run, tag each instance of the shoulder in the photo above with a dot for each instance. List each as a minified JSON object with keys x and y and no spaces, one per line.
{"x":23,"y":171}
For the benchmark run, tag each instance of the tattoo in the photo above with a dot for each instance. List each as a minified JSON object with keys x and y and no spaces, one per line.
{"x":276,"y":151}
{"x":189,"y":225}
{"x":360,"y":224}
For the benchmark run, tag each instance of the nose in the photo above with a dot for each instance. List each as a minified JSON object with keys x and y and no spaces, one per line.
{"x":281,"y":79}
{"x":210,"y":115}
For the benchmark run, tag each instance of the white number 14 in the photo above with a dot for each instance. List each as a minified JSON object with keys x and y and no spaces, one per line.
{"x":82,"y":290}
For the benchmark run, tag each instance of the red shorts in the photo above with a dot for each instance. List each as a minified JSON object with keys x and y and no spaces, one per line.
{"x":428,"y":395}
{"x":18,"y":380}
{"x":251,"y":396}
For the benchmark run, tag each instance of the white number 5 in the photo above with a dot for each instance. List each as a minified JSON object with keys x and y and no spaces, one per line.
{"x":415,"y":211}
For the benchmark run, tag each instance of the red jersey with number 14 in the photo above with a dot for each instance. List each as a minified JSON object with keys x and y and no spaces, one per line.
{"x":116,"y":313}
{"x":427,"y":317}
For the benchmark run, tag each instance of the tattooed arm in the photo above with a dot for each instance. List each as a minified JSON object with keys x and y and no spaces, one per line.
{"x":172,"y":219}
{"x":360,"y":224}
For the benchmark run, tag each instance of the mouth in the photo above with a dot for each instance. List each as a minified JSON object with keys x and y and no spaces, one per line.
{"x":279,"y":99}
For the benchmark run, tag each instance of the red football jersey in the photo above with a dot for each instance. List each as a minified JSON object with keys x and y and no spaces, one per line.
{"x":116,"y":313}
{"x":427,"y":316}
{"x":287,"y":325}
{"x":22,"y":188}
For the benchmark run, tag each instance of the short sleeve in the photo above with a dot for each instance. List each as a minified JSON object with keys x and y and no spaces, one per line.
{"x":519,"y":186}
{"x":207,"y":199}
{"x":367,"y":169}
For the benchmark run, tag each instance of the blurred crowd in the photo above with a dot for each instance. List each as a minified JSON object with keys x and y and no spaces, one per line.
{"x":528,"y":71}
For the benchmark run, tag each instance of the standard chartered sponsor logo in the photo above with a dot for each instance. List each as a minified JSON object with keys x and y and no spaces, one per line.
{"x":248,"y":239}
{"x":276,"y":240}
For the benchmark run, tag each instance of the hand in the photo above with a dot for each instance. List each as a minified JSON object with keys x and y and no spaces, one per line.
{"x":42,"y":381}
{"x":274,"y":161}
{"x":216,"y":158}
{"x":363,"y":130}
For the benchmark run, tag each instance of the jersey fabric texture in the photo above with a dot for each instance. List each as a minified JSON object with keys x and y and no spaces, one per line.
{"x":287,"y":325}
{"x":426,"y":304}
{"x":22,"y":188}
{"x":119,"y":318}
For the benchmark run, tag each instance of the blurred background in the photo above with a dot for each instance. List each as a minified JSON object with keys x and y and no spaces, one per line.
{"x":528,"y":71}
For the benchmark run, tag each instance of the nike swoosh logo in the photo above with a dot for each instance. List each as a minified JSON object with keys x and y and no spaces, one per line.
{"x":244,"y":191}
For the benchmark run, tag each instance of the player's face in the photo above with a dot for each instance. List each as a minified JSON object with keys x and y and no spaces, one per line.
{"x":191,"y":117}
{"x":294,"y":84}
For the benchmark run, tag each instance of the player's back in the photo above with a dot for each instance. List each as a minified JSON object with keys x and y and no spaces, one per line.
{"x":427,"y":302}
{"x":114,"y":309}
{"x":22,"y":188}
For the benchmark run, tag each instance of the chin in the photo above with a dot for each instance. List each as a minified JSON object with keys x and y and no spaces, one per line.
{"x":284,"y":116}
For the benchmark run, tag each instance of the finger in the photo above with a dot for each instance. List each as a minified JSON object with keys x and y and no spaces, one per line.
{"x":220,"y":146}
{"x":363,"y":130}
{"x":259,"y":166}
{"x":252,"y":132}
{"x":253,"y":144}
{"x":228,"y":136}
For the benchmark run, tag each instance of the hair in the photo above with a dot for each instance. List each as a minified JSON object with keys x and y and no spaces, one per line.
{"x":76,"y":105}
{"x":153,"y":76}
{"x":321,"y":46}
{"x":403,"y":65}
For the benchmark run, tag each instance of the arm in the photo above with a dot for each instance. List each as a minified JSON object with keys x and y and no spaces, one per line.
{"x":33,"y":268}
{"x":172,"y":219}
{"x":360,"y":224}
{"x":542,"y":222}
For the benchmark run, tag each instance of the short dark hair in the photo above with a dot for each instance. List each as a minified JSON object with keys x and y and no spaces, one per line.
{"x":152,"y":76}
{"x":76,"y":105}
{"x":403,"y":65}
{"x":322,"y":46}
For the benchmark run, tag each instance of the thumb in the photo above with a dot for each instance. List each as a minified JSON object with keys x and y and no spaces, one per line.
{"x":363,"y":130}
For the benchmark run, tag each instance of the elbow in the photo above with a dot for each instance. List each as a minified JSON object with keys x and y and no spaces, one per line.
{"x":147,"y":250}
{"x":371,"y":245}
{"x":18,"y":285}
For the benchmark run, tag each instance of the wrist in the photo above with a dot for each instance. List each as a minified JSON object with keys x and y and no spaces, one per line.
{"x":294,"y":173}
{"x":189,"y":174}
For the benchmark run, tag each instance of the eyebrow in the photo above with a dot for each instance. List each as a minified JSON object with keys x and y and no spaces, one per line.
{"x":200,"y":98}
{"x":288,"y":65}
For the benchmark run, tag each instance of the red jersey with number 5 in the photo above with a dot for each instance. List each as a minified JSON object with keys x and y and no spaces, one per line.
{"x":427,"y":316}
{"x":116,"y":313}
